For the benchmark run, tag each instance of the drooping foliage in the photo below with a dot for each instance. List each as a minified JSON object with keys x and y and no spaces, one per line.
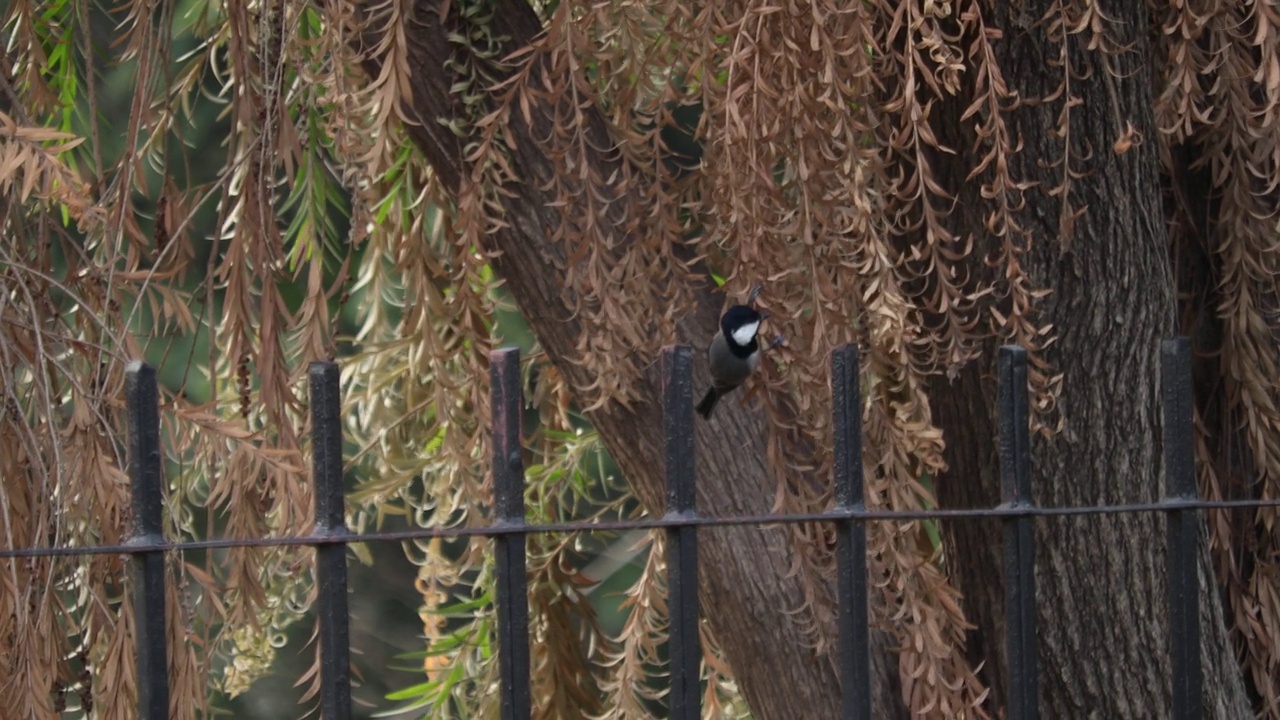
{"x":222,"y":189}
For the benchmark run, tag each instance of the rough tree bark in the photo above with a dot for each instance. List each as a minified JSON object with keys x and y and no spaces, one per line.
{"x":744,"y":572}
{"x":1100,"y":580}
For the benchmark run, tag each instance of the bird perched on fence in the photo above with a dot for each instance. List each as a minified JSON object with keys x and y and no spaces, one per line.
{"x":734,"y":352}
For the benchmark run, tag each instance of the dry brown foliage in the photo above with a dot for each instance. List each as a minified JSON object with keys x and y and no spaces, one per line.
{"x":1219,"y":117}
{"x":820,"y":134}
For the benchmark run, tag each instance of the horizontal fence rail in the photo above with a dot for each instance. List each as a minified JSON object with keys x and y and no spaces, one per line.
{"x":1017,"y":511}
{"x":833,"y":515}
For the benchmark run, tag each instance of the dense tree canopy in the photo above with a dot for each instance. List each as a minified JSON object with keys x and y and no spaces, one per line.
{"x":232,"y":189}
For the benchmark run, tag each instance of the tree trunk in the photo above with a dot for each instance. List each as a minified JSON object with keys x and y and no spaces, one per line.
{"x":747,"y":591}
{"x":1100,"y":581}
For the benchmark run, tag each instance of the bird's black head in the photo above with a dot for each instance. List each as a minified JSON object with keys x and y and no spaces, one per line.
{"x":739,"y":324}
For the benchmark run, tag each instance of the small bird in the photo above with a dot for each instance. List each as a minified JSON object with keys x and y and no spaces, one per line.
{"x":734,"y":353}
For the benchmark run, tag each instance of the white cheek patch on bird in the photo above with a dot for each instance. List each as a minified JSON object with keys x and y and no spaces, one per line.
{"x":744,"y":334}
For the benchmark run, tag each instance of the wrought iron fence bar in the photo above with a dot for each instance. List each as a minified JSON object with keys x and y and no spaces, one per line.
{"x":146,"y":488}
{"x":506,"y":407}
{"x":684,"y":700}
{"x":1180,"y":503}
{"x":851,"y":536}
{"x":1019,"y":535}
{"x":331,"y":558}
{"x":1183,"y":530}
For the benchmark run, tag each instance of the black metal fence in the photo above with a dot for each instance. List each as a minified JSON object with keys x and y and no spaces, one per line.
{"x":850,"y":515}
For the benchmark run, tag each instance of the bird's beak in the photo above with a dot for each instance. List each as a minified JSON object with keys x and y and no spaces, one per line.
{"x":764,"y":316}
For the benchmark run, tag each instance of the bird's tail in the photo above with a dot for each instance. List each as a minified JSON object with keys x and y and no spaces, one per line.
{"x":708,"y":402}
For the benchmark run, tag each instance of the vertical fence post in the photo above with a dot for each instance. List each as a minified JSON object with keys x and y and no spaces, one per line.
{"x":1019,"y":535}
{"x":685,"y":698}
{"x":505,"y":406}
{"x":331,"y":558}
{"x":143,"y":408}
{"x":851,"y":536}
{"x":1183,"y":529}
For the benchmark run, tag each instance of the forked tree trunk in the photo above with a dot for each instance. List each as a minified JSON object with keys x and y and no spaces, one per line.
{"x":747,"y":590}
{"x":1102,"y":612}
